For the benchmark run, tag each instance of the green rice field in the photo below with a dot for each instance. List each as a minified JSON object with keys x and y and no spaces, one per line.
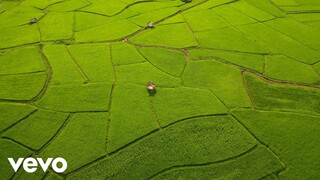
{"x":236,"y":96}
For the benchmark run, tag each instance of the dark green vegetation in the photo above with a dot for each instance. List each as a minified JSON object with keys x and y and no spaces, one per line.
{"x":237,"y":88}
{"x":286,"y":134}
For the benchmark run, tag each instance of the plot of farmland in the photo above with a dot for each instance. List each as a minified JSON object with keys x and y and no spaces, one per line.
{"x":237,"y":88}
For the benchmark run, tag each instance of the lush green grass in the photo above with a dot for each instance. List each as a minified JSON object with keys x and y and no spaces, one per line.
{"x":189,"y":102}
{"x":10,"y":19}
{"x":204,"y":20}
{"x":258,"y":163}
{"x":228,"y":39}
{"x":225,"y":82}
{"x":290,"y":28}
{"x":155,"y":112}
{"x":65,"y":70}
{"x":10,"y":149}
{"x":24,"y":60}
{"x":153,"y":16}
{"x":142,"y":73}
{"x":137,"y":120}
{"x":278,"y":43}
{"x":88,"y":97}
{"x":153,"y":6}
{"x":53,"y":21}
{"x":268,"y":7}
{"x":252,"y":10}
{"x":246,"y":60}
{"x":293,"y":137}
{"x":284,"y":97}
{"x":81,"y":141}
{"x":85,"y":62}
{"x":86,"y":20}
{"x":173,"y":35}
{"x":37,"y":129}
{"x":111,"y":31}
{"x":317,"y":67}
{"x":291,"y":70}
{"x":123,"y":53}
{"x":94,"y":61}
{"x":22,"y":86}
{"x":68,"y":5}
{"x":53,"y":176}
{"x":99,"y":7}
{"x":173,"y":146}
{"x":233,"y":16}
{"x":237,"y":88}
{"x":14,"y":36}
{"x":172,"y":62}
{"x":172,"y":20}
{"x":11,"y":113}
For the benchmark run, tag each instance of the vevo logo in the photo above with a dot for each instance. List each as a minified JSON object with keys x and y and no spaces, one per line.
{"x":30,"y":164}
